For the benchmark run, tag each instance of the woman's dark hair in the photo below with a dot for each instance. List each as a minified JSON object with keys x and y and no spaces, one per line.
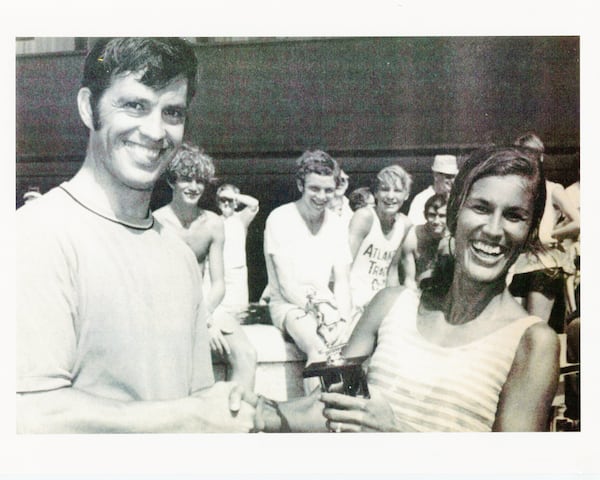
{"x":161,"y":59}
{"x":489,"y":162}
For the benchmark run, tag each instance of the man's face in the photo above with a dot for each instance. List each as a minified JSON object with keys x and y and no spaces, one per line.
{"x":188,"y":190}
{"x":139,"y":130}
{"x":390,"y":197}
{"x":226,"y":202}
{"x":442,"y":182}
{"x":436,"y":221}
{"x":317,"y":191}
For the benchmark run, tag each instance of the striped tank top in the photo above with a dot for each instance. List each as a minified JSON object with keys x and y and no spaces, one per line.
{"x":441,"y":389}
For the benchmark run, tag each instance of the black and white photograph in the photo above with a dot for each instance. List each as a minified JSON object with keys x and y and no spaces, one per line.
{"x":235,"y":245}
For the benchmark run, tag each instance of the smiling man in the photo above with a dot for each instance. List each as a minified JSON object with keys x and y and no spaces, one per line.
{"x":188,"y":175}
{"x":305,"y":242}
{"x":425,"y":243}
{"x":111,"y":324}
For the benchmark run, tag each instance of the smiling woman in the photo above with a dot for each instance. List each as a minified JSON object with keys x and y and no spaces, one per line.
{"x":464,"y":356}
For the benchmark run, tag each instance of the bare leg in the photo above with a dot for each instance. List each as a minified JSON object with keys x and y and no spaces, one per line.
{"x":242,"y":358}
{"x":303,"y":330}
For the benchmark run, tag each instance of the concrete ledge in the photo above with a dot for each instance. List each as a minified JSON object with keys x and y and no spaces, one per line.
{"x":280,"y":363}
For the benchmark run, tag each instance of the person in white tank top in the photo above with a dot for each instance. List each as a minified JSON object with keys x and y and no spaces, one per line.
{"x":375,"y":237}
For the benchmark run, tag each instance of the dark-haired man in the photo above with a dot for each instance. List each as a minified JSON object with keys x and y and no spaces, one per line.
{"x":111,"y":325}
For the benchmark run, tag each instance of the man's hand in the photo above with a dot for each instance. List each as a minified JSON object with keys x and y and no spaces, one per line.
{"x":217,"y":342}
{"x":223,"y":408}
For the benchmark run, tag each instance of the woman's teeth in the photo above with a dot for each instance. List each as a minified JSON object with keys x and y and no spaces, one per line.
{"x":487,"y":248}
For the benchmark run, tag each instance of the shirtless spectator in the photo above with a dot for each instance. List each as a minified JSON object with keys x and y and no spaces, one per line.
{"x":188,"y":174}
{"x":304,"y":243}
{"x":425,"y":242}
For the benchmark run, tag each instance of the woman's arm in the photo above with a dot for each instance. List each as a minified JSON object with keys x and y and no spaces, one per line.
{"x":526,"y":398}
{"x":364,"y":336}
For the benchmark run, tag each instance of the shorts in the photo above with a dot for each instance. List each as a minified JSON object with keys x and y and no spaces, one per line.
{"x":548,"y":282}
{"x":279,"y":309}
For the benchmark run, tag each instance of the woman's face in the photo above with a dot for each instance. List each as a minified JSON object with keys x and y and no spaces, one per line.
{"x":492,"y":226}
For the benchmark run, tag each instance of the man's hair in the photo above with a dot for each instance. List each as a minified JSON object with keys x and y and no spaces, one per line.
{"x":393,"y":175}
{"x":319,"y":162}
{"x":358,"y":198}
{"x":191,"y":162}
{"x":436,"y":201}
{"x":531,"y":141}
{"x":161,"y":59}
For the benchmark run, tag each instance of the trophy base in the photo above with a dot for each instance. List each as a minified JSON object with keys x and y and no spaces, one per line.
{"x":347,"y":371}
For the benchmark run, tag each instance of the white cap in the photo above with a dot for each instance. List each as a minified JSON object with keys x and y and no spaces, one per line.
{"x":31,"y":194}
{"x":445,"y":164}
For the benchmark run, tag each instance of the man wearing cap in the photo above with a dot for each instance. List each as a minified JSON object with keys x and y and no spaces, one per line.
{"x":444,"y":170}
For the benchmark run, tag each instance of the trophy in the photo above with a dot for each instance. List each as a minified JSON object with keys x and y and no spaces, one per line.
{"x":335,"y":368}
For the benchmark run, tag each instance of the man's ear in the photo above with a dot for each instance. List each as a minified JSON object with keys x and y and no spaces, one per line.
{"x":85,"y":107}
{"x":300,"y":186}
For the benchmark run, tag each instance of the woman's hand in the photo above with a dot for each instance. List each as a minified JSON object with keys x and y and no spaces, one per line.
{"x":356,"y":414}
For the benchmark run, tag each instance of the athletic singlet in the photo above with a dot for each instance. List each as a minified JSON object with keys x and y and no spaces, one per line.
{"x":370,"y":267}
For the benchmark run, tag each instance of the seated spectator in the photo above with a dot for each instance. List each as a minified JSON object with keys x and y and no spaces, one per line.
{"x":361,"y":197}
{"x":375,"y":236}
{"x":304,"y":243}
{"x":425,"y":242}
{"x":188,"y":174}
{"x":235,"y":222}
